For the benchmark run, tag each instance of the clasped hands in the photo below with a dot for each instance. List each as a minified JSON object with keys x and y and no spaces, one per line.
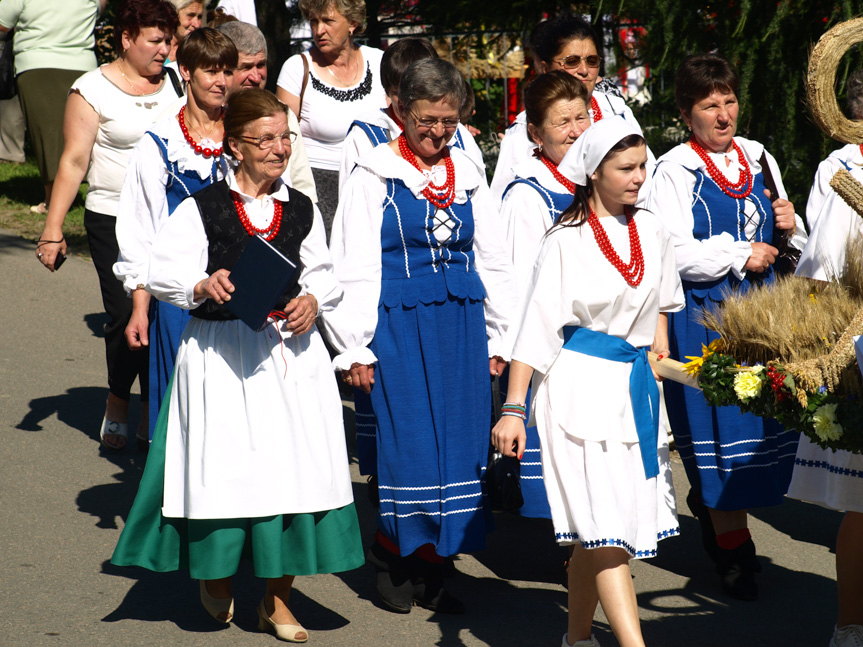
{"x":301,"y":310}
{"x":362,"y":376}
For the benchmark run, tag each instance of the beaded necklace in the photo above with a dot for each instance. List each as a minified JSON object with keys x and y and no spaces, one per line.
{"x":634,"y":271}
{"x":268,"y":232}
{"x":441,"y":196}
{"x":737,"y":190}
{"x":199,"y":150}
{"x":551,"y":166}
{"x":861,"y":148}
{"x":597,"y":111}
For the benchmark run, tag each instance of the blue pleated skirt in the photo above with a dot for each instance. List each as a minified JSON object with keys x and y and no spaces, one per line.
{"x":431,"y":401}
{"x":736,"y":459}
{"x":166,"y":331}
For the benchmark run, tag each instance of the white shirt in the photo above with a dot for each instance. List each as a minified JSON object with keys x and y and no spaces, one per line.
{"x":355,"y":245}
{"x":123,"y":120}
{"x":325,"y":120}
{"x":832,"y":222}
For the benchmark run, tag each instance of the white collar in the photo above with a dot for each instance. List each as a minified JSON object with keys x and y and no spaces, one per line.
{"x":536,"y":169}
{"x":281,"y":192}
{"x":688,"y":158}
{"x":181,"y":152}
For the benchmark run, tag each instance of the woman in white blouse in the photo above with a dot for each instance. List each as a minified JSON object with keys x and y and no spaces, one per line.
{"x":556,"y":108}
{"x":428,"y":294}
{"x":329,"y":86}
{"x":251,"y":450}
{"x":107,"y":112}
{"x":177,"y":157}
{"x":711,"y":194}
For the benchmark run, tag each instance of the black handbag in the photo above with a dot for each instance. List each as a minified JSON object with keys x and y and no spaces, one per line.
{"x":502,"y":473}
{"x":786,"y":260}
{"x":8,"y":87}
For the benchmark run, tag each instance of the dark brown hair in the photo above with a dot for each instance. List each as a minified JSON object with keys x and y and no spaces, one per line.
{"x":699,"y":76}
{"x":545,"y":89}
{"x":546,"y":42}
{"x":247,"y":106}
{"x":207,"y":48}
{"x":134,"y":15}
{"x":576,"y":214}
{"x":399,"y":57}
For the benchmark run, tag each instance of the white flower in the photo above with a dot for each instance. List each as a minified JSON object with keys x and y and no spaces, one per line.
{"x":824,"y":421}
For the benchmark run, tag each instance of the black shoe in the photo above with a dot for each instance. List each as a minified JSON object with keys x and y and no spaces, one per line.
{"x":428,"y":590}
{"x":395,"y":589}
{"x":737,"y":568}
{"x":708,"y":533}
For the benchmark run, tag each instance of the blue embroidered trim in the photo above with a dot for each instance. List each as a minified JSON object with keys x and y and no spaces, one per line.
{"x":844,"y":471}
{"x":602,"y":543}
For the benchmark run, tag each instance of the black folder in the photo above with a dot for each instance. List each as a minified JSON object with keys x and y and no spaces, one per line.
{"x":260,"y":277}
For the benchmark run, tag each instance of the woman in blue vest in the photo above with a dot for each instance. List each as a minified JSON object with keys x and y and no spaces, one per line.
{"x":710,"y":193}
{"x":428,"y":293}
{"x":556,"y":107}
{"x":249,"y":455}
{"x":176,"y":158}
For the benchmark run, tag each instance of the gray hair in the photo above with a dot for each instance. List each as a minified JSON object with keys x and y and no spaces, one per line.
{"x":854,"y":88}
{"x":179,"y":5}
{"x":248,"y":39}
{"x":432,"y":79}
{"x":353,"y":10}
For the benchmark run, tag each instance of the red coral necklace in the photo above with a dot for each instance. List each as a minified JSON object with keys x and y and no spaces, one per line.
{"x":597,"y":111}
{"x":206,"y":152}
{"x":551,"y":166}
{"x":441,"y":196}
{"x":634,"y":271}
{"x":398,"y":121}
{"x":737,"y":190}
{"x":268,"y":232}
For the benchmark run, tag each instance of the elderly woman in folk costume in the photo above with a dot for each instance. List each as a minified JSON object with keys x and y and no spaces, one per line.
{"x":565,"y":42}
{"x":606,"y":467}
{"x":833,"y":478}
{"x":711,"y":193}
{"x":176,"y":158}
{"x":428,"y":293}
{"x":556,"y":108}
{"x":252,"y":455}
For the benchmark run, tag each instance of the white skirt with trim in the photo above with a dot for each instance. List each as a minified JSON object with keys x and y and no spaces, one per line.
{"x":830,"y":479}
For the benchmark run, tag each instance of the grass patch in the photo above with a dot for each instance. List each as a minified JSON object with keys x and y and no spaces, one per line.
{"x":20,"y":188}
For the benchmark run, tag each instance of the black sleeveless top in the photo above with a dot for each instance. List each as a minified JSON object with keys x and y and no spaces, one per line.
{"x":227,"y":239}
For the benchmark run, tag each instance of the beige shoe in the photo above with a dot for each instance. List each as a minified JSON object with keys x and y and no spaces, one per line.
{"x":591,"y":642}
{"x":288,"y":633}
{"x":222,"y":609}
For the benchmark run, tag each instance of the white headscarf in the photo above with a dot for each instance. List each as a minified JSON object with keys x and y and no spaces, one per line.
{"x":588,"y":151}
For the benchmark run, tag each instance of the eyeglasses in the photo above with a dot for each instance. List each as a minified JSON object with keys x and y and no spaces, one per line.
{"x":266,"y":142}
{"x":572,"y":62}
{"x":427,"y":123}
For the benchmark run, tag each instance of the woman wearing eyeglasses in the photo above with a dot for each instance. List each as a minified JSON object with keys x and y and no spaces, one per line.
{"x":249,"y":455}
{"x":178,"y":157}
{"x":428,"y":293}
{"x":565,"y":42}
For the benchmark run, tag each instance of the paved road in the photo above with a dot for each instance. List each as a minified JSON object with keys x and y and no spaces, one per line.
{"x":63,"y":503}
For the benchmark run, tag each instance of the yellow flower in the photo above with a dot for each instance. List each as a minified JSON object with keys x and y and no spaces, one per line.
{"x":747,"y":385}
{"x":716,"y":346}
{"x":693,"y":367}
{"x":824,"y":421}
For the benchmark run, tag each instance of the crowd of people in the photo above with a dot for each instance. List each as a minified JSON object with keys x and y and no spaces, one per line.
{"x":418,"y":284}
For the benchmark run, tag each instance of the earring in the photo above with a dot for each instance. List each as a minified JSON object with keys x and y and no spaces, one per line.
{"x":540,"y":147}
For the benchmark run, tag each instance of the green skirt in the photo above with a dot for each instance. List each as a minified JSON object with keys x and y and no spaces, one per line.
{"x":285,"y":544}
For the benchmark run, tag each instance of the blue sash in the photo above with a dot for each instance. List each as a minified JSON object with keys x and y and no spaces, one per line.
{"x":642,"y":385}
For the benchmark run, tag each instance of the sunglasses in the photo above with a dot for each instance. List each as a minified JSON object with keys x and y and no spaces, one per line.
{"x":572,"y":62}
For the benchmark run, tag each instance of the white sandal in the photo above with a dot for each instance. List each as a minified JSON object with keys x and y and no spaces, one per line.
{"x":111,"y":428}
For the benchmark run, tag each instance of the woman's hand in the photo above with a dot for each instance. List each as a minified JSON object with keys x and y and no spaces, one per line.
{"x":51,"y":243}
{"x":301,"y":313}
{"x":509,"y":437}
{"x":361,"y":376}
{"x":762,"y":257}
{"x":783,"y":213}
{"x":216,"y":287}
{"x":662,"y":353}
{"x":660,"y":341}
{"x":138,"y":329}
{"x":496,"y":365}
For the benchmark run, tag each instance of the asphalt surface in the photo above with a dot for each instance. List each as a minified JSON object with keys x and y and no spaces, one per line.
{"x":63,"y":502}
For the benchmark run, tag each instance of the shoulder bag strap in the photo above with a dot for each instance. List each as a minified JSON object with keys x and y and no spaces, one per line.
{"x":305,"y":83}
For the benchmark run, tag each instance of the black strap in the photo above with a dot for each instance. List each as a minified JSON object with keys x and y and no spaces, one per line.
{"x":786,"y":261}
{"x":175,"y":81}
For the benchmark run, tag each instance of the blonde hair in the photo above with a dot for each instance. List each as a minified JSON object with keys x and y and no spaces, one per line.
{"x":353,"y":10}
